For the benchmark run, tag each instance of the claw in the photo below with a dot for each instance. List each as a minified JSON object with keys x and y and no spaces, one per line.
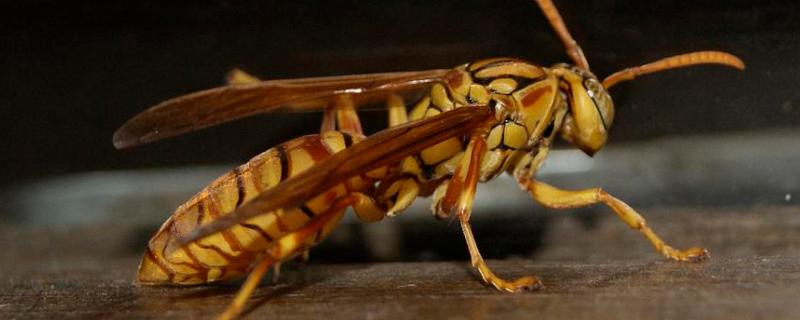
{"x":524,"y":283}
{"x":690,"y":255}
{"x":528,"y":283}
{"x":697,"y":254}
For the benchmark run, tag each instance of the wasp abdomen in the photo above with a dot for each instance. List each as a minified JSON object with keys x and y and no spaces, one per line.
{"x":230,"y":253}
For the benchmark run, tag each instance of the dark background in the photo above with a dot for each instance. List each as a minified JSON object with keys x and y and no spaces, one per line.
{"x":72,"y":72}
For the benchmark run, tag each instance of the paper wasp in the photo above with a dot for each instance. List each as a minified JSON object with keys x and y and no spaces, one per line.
{"x":473,"y":122}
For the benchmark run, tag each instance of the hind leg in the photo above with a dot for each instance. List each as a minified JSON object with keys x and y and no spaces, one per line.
{"x":297,"y":242}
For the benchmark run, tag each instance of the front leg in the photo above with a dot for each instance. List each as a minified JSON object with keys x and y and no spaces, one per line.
{"x":553,"y":197}
{"x":464,"y":183}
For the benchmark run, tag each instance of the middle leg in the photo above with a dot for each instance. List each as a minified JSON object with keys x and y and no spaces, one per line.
{"x":341,"y":115}
{"x":296,"y":242}
{"x":463,"y":184}
{"x":398,"y":194}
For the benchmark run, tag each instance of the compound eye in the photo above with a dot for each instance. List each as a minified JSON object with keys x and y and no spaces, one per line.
{"x":601,"y":100}
{"x":592,"y":86}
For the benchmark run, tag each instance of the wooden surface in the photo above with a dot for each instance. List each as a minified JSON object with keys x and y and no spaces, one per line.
{"x":598,"y":272}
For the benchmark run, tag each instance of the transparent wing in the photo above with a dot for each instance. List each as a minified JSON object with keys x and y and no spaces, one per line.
{"x":214,"y":106}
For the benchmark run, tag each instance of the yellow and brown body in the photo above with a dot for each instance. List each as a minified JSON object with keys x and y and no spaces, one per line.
{"x":231,"y":253}
{"x":472,"y":123}
{"x":529,"y":110}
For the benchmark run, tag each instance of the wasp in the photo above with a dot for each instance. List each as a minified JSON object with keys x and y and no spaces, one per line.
{"x":472,"y":123}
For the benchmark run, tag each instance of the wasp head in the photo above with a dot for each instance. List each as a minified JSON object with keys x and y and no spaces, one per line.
{"x":591,"y":110}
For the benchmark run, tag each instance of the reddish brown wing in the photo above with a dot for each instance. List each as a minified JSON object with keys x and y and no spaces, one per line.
{"x":383,"y":148}
{"x":214,"y":106}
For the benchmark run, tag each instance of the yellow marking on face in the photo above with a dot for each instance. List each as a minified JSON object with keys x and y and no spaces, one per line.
{"x":515,"y":136}
{"x":503,"y":85}
{"x":478,"y":94}
{"x":495,"y":137}
{"x":440,"y":98}
{"x":519,"y":69}
{"x":419,"y":109}
{"x":441,"y":151}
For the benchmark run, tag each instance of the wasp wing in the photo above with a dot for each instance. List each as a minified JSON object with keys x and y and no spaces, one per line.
{"x":222,"y":104}
{"x":383,"y":148}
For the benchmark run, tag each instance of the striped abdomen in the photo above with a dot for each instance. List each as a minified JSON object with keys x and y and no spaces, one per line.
{"x":230,"y":253}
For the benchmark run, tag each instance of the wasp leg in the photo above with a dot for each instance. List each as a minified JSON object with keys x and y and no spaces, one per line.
{"x":398,"y":114}
{"x":366,"y":208}
{"x":401,"y":192}
{"x":276,"y":272}
{"x":553,"y":197}
{"x":290,"y":244}
{"x":573,"y":49}
{"x":470,"y":168}
{"x":237,"y":76}
{"x":341,"y":115}
{"x":253,"y":279}
{"x":284,"y":248}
